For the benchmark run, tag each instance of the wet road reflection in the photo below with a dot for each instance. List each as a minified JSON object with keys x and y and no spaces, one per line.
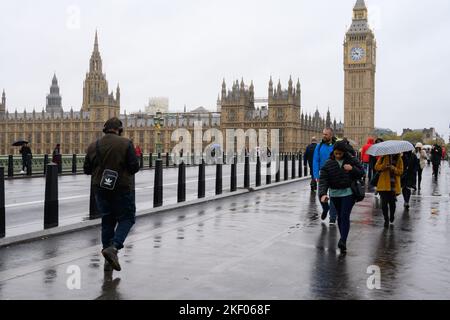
{"x":269,"y":244}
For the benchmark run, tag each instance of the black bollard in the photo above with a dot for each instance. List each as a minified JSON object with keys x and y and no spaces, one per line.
{"x":201,"y":180}
{"x":150,"y":160}
{"x":277,"y":175}
{"x":247,"y":172}
{"x":51,"y":206}
{"x":258,"y":171}
{"x":93,"y":211}
{"x":286,"y":167}
{"x":181,"y":182}
{"x":29,"y":165}
{"x":300,"y":166}
{"x":293,"y":166}
{"x":268,"y":173}
{"x":74,"y":164}
{"x":233,"y":181}
{"x":141,"y":161}
{"x":167,"y":159}
{"x":10,"y":166}
{"x":305,"y":173}
{"x":2,"y":203}
{"x":158,"y":189}
{"x":218,"y":179}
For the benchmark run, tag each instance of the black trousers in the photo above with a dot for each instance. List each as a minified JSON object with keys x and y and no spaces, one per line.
{"x":406,"y":194}
{"x":436,"y":170}
{"x":388,"y":203}
{"x":419,"y":176}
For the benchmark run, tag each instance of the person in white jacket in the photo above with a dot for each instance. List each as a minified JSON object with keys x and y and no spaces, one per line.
{"x":422,"y":156}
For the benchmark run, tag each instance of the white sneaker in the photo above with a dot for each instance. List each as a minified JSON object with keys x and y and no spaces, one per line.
{"x":22,"y":172}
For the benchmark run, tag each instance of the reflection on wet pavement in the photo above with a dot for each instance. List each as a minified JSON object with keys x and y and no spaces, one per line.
{"x":269,"y":244}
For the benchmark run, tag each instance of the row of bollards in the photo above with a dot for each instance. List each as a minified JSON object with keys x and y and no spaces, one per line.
{"x":51,"y":205}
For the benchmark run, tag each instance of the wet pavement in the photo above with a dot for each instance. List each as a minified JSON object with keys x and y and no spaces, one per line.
{"x":269,"y":244}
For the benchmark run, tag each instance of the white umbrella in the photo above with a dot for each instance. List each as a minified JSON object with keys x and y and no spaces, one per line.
{"x":390,"y":148}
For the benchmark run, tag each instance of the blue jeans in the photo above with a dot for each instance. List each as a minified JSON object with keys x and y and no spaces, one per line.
{"x":118,"y":211}
{"x":344,"y":208}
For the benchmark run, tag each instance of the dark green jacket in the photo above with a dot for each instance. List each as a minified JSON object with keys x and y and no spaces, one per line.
{"x":117,"y":154}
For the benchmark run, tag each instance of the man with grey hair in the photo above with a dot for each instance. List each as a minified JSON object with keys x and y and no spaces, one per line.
{"x":308,"y":158}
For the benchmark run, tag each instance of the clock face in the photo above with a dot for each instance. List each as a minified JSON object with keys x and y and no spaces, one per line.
{"x":357,"y":53}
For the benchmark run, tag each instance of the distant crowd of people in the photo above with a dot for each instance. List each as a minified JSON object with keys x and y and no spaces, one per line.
{"x":337,"y":168}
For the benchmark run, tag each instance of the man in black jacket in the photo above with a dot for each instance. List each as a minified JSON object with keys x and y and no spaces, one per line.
{"x":112,"y":162}
{"x":308,"y":161}
{"x":436,"y":157}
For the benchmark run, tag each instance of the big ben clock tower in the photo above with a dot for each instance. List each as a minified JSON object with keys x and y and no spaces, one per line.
{"x":359,"y":66}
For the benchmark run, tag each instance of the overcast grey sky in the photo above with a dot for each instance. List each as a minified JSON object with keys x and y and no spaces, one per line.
{"x":184,"y":48}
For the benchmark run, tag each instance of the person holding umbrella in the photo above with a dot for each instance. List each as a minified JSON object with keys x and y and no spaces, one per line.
{"x":25,"y":150}
{"x":390,"y":168}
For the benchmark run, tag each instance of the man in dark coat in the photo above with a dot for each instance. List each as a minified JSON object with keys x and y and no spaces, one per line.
{"x":410,"y":167}
{"x":436,"y":157}
{"x":25,"y":151}
{"x":308,"y":161}
{"x":112,"y":162}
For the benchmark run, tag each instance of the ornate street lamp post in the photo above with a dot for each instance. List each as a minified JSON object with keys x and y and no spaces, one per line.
{"x":158,"y":124}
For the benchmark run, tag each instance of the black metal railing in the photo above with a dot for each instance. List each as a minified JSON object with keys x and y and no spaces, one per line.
{"x":51,"y":205}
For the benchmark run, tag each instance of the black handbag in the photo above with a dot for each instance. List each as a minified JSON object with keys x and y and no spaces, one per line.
{"x":358,"y":190}
{"x":109,"y":177}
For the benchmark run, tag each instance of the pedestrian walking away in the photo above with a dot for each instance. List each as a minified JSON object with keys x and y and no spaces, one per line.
{"x":372,"y":162}
{"x":112,"y":162}
{"x":322,"y":153}
{"x":436,"y":156}
{"x":138,"y":151}
{"x":308,"y":158}
{"x":365,"y":158}
{"x":56,"y":155}
{"x":389,"y":186}
{"x":410,"y":167}
{"x":422,"y":156}
{"x":337,"y":176}
{"x":25,"y":150}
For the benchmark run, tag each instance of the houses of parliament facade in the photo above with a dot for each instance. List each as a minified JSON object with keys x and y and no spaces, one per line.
{"x":75,"y":130}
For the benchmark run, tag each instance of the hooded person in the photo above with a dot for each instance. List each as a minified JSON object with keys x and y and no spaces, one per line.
{"x":336,"y":177}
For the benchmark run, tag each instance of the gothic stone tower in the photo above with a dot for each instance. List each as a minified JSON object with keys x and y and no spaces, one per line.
{"x":54,"y":100}
{"x":3,"y":103}
{"x":284,"y":114}
{"x":359,"y":66}
{"x":96,"y":99}
{"x":237,"y":105}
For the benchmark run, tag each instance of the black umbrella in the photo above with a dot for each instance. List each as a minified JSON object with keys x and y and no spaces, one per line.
{"x":19,"y":143}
